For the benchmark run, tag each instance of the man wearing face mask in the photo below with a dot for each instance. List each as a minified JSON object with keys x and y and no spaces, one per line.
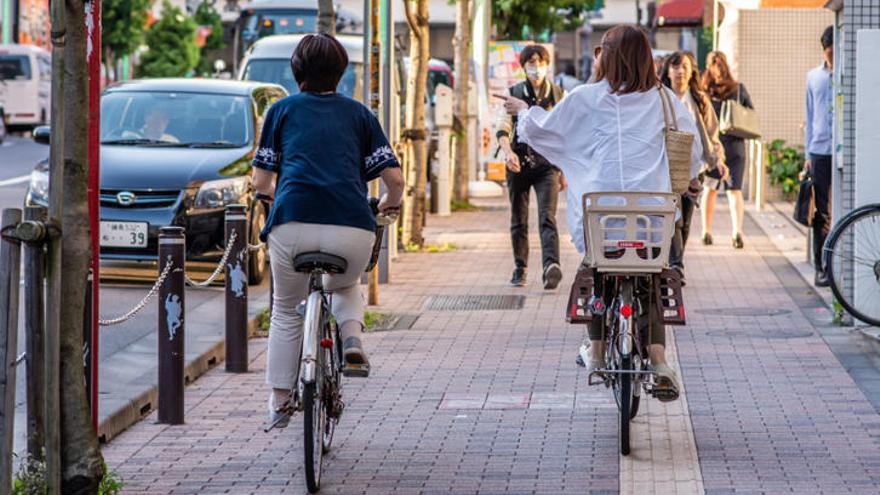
{"x":526,"y":169}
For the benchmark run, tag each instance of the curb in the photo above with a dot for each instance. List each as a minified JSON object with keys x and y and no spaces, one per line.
{"x":143,"y":405}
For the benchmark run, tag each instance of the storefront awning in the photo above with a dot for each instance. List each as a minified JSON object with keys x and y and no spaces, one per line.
{"x":680,"y":13}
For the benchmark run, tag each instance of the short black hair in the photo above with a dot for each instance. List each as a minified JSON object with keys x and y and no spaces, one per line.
{"x":827,"y":38}
{"x":530,"y":51}
{"x":318,"y":63}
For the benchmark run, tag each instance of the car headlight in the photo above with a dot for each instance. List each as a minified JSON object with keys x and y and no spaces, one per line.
{"x":219,"y":193}
{"x":40,"y":185}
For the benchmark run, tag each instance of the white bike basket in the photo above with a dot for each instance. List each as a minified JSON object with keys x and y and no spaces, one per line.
{"x":629,"y":232}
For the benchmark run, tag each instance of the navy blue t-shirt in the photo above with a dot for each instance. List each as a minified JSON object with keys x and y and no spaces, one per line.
{"x":324,"y":148}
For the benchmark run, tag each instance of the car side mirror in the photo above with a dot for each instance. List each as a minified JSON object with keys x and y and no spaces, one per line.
{"x":42,"y":134}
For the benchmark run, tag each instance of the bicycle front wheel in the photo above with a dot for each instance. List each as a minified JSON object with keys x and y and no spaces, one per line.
{"x":852,"y":259}
{"x":314,"y":420}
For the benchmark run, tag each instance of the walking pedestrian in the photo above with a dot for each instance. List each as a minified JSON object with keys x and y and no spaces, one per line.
{"x":721,"y":85}
{"x":320,"y":203}
{"x":567,"y":79}
{"x":680,"y":74}
{"x":610,"y":136}
{"x":817,"y":142}
{"x":527,"y":170}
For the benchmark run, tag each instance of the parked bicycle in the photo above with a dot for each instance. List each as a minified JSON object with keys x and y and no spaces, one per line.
{"x":318,"y":394}
{"x":852,"y":259}
{"x":623,"y":281}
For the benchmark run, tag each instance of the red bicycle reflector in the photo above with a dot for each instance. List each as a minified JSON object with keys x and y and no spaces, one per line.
{"x":630,"y":244}
{"x":626,"y":311}
{"x":326,"y":343}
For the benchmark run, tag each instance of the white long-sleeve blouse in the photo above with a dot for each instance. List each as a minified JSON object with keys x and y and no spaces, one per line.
{"x":606,"y":142}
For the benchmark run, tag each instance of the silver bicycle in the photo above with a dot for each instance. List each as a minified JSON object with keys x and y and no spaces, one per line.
{"x":318,"y":393}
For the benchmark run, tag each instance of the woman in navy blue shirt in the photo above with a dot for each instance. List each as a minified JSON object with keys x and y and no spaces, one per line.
{"x":318,"y":150}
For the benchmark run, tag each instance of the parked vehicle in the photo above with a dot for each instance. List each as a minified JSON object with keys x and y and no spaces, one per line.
{"x":3,"y":131}
{"x":262,"y":18}
{"x":268,"y":60}
{"x":175,"y":152}
{"x":25,"y":84}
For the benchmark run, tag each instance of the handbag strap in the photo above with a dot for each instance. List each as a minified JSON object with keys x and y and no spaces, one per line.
{"x":667,"y":109}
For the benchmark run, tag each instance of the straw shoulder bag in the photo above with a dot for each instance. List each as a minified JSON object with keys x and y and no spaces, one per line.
{"x":678,"y":147}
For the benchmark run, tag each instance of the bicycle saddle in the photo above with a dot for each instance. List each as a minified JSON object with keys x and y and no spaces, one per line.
{"x":327,"y":263}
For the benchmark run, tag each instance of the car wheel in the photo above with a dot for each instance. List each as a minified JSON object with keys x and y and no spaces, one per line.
{"x":258,"y":264}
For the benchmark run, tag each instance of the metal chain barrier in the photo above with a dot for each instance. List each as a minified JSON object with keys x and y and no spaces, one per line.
{"x":144,"y":301}
{"x":220,"y":267}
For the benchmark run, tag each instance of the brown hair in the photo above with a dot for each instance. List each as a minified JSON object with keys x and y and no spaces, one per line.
{"x":694,"y":85}
{"x":318,"y":63}
{"x":725,"y":85}
{"x":626,"y":61}
{"x":530,"y":51}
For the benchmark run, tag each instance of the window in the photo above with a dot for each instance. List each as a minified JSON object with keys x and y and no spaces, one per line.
{"x":277,"y":71}
{"x":15,"y":67}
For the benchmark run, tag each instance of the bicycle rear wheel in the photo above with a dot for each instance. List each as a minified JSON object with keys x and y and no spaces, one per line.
{"x":313,"y":433}
{"x":852,"y":259}
{"x":623,"y":394}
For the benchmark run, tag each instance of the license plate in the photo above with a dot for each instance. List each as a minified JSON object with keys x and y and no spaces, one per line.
{"x":124,"y":234}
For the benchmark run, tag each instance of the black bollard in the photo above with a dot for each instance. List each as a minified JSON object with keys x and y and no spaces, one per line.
{"x":172,"y":249}
{"x":237,"y":290}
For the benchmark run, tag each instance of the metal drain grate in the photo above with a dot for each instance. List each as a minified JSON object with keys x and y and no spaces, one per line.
{"x":473,"y":303}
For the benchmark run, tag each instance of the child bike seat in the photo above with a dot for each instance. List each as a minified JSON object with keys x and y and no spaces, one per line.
{"x":315,"y":260}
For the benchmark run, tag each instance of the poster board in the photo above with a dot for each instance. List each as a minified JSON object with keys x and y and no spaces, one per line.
{"x":504,"y":71}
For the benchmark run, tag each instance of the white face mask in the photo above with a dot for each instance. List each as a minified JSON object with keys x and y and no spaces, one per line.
{"x":536,"y":73}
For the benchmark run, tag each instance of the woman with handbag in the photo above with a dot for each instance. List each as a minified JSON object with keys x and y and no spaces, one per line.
{"x":724,"y":89}
{"x":625,"y":132}
{"x":680,"y":74}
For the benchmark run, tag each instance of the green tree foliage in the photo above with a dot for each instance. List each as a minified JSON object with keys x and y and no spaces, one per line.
{"x":123,"y":23}
{"x":532,"y":19}
{"x":171,"y":43}
{"x":207,"y":16}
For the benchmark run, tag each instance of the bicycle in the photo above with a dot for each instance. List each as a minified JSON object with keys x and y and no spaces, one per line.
{"x":855,"y":240}
{"x":628,"y":241}
{"x":318,"y":394}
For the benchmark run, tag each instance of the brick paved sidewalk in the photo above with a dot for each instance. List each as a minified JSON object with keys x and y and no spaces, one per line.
{"x":489,"y":401}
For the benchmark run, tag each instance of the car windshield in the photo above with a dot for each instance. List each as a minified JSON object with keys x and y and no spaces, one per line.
{"x":263,"y":24}
{"x":15,"y":67}
{"x":277,"y":71}
{"x":179,"y":119}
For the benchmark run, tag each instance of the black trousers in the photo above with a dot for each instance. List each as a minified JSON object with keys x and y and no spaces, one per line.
{"x":682,"y":232}
{"x":545,"y":181}
{"x":822,"y":219}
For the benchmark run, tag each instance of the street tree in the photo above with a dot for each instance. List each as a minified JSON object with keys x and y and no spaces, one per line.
{"x":207,"y":16}
{"x":171,"y":45}
{"x":531,"y":19}
{"x":326,"y":17}
{"x":81,"y":461}
{"x":462,"y":44}
{"x":123,"y":23}
{"x":414,"y":136}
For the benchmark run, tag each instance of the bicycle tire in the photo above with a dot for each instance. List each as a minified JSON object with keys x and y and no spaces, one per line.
{"x":313,"y":418}
{"x":863,"y":227}
{"x":625,"y":404}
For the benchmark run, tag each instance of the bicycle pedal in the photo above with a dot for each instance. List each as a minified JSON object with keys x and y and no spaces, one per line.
{"x":356,"y":370}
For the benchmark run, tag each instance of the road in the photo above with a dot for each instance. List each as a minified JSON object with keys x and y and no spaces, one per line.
{"x":18,"y":155}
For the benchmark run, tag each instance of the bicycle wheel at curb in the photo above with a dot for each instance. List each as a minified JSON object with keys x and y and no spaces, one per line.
{"x":313,"y":433}
{"x":862,"y":226}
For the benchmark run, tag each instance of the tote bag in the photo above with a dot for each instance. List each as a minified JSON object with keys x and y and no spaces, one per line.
{"x":678,"y":147}
{"x":737,"y":120}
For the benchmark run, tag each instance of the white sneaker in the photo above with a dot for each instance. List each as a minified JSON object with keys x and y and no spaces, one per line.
{"x":277,"y":417}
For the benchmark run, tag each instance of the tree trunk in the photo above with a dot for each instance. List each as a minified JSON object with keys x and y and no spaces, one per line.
{"x":80,"y":454}
{"x":415,"y":134}
{"x":326,"y":17}
{"x":462,"y":44}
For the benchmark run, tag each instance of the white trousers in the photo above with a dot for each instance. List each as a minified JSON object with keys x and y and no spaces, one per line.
{"x":290,"y":288}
